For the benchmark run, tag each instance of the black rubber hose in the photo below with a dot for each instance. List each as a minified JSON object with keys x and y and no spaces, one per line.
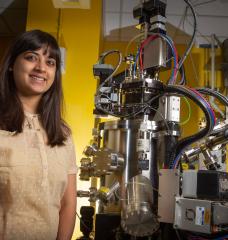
{"x":183,"y":143}
{"x":183,"y":76}
{"x":193,"y":35}
{"x":213,"y":93}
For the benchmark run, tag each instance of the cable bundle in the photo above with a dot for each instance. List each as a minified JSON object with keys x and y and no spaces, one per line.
{"x":196,"y":97}
{"x":168,"y":40}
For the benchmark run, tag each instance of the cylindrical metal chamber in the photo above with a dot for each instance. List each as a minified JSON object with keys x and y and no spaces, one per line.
{"x":130,"y":138}
{"x":135,"y":141}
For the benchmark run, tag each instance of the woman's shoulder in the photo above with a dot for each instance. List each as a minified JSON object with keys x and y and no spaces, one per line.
{"x":6,"y":132}
{"x":69,"y":140}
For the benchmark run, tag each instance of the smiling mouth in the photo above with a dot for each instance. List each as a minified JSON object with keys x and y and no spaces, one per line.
{"x":37,"y":78}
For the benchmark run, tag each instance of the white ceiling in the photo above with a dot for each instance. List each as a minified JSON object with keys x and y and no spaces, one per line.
{"x":212,"y":18}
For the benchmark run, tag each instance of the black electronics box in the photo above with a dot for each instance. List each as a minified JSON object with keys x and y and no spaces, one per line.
{"x":106,"y":226}
{"x":212,"y":185}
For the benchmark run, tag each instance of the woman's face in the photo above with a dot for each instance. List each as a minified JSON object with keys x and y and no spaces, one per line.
{"x":34,"y":72}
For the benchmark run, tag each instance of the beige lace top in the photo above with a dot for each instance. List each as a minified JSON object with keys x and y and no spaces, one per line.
{"x":33,"y":178}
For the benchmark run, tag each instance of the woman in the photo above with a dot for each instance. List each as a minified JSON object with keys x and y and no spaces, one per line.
{"x":37,"y":158}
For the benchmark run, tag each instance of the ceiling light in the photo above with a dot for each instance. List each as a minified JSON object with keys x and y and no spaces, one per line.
{"x":84,"y":4}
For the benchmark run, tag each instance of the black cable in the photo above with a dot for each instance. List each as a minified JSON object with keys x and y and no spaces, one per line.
{"x":101,"y":60}
{"x":193,"y":35}
{"x":203,"y":3}
{"x":178,"y":234}
{"x":133,"y":114}
{"x":207,"y":91}
{"x":80,"y":219}
{"x":183,"y":143}
{"x":183,"y":76}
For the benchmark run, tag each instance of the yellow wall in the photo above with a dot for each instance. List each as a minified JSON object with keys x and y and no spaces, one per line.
{"x":79,"y":32}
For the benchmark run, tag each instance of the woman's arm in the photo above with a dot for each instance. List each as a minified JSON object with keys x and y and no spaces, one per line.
{"x":68,"y":210}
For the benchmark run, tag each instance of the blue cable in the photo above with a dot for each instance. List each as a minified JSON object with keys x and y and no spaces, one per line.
{"x":136,"y":59}
{"x":177,"y":159}
{"x":174,"y":56}
{"x":222,"y":238}
{"x":175,"y":162}
{"x":170,"y":42}
{"x":208,"y":108}
{"x":207,"y":105}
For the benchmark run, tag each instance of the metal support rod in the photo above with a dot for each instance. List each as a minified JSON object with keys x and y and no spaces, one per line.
{"x":213,"y":76}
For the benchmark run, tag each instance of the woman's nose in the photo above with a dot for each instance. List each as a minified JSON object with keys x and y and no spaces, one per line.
{"x":40,"y":66}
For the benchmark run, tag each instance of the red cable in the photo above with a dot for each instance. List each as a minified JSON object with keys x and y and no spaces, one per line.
{"x":143,"y":45}
{"x":208,"y":104}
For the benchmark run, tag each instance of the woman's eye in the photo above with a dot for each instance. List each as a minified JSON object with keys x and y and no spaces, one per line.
{"x":51,"y":62}
{"x":31,"y":57}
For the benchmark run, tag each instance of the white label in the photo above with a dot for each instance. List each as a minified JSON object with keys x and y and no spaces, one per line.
{"x":173,"y":108}
{"x":143,"y":145}
{"x":200,"y":215}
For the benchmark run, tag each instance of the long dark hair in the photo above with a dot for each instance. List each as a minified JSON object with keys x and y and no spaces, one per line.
{"x":51,"y":104}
